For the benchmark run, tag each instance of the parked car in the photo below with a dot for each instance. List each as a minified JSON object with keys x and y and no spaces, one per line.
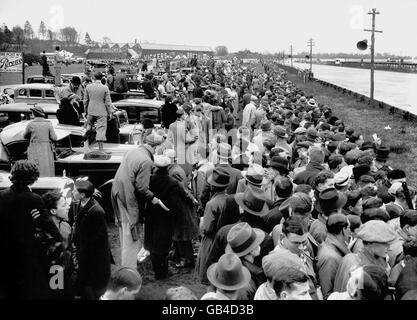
{"x":40,"y":79}
{"x":139,"y":109}
{"x":62,"y":184}
{"x":36,"y":93}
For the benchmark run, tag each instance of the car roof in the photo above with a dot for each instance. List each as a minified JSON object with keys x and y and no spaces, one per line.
{"x":51,"y":183}
{"x":23,"y":107}
{"x":36,"y":86}
{"x":140,"y":102}
{"x":14,"y":132}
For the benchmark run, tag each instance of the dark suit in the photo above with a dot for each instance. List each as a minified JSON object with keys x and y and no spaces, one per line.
{"x":24,"y":270}
{"x":92,"y":249}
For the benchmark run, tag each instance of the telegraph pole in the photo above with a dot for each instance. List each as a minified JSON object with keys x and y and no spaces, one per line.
{"x":373,"y":12}
{"x":291,"y":55}
{"x":311,"y":44}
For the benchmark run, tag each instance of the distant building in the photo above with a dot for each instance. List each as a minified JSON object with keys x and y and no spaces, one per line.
{"x":146,"y":51}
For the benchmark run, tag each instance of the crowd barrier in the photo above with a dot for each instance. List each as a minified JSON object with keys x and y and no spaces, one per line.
{"x":359,"y":97}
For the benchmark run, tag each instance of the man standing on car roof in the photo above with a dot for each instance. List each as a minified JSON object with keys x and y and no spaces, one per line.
{"x":98,"y":108}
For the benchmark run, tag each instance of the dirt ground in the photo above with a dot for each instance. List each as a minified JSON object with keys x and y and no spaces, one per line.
{"x":155,"y":289}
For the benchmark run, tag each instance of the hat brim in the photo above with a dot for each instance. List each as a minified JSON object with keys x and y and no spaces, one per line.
{"x":211,"y":276}
{"x":260,"y":236}
{"x":283,"y":137}
{"x":214,"y":183}
{"x":38,"y":112}
{"x":264,"y":180}
{"x":340,"y":203}
{"x":239,"y":197}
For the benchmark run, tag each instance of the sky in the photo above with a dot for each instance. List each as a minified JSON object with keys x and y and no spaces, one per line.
{"x":261,"y":25}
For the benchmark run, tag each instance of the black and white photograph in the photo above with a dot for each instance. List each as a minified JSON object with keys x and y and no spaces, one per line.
{"x":235,"y":151}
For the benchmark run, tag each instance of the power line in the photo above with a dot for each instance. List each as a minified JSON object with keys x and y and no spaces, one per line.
{"x":373,"y":12}
{"x":311,"y":44}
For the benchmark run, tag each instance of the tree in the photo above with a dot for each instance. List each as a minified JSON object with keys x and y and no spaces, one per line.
{"x":42,"y":30}
{"x":28,"y":31}
{"x":221,"y":51}
{"x":18,"y":36}
{"x":50,"y":35}
{"x":106,"y":40}
{"x":88,"y":40}
{"x":8,"y":35}
{"x":69,"y":35}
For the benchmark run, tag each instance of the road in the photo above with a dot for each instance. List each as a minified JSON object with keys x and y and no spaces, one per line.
{"x":395,"y":88}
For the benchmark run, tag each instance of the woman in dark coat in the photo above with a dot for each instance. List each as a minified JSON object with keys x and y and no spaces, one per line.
{"x":24,"y":269}
{"x":159,"y":223}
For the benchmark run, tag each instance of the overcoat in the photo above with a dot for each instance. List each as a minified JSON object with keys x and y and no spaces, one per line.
{"x":91,"y":241}
{"x":41,"y":134}
{"x":24,"y":270}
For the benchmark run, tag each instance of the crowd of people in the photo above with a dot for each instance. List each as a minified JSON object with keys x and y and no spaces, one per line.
{"x":249,"y":182}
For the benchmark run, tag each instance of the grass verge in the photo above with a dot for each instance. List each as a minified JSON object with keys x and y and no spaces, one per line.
{"x":400,"y":137}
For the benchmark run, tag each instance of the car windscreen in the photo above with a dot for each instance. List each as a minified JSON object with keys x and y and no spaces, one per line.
{"x":138,"y":113}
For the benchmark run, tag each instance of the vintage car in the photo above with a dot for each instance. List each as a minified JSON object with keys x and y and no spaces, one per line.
{"x":16,"y":112}
{"x":139,"y":109}
{"x":70,"y":155}
{"x":40,"y":79}
{"x":43,"y":184}
{"x":65,"y":78}
{"x":36,"y":93}
{"x":65,"y":186}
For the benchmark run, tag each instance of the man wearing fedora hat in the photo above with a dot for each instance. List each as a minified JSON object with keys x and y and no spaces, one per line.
{"x":376,"y":236}
{"x":282,"y":136}
{"x":223,"y":156}
{"x":381,"y":157}
{"x":329,"y":201}
{"x":277,"y":168}
{"x":253,"y":204}
{"x":215,"y":208}
{"x":254,"y":176}
{"x":244,"y":241}
{"x":228,"y":276}
{"x":41,"y":135}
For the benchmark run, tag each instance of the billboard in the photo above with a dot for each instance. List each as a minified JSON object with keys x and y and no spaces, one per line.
{"x":11,"y":61}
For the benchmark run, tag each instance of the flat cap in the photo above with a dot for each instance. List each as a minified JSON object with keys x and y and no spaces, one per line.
{"x":279,"y":260}
{"x":376,"y":231}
